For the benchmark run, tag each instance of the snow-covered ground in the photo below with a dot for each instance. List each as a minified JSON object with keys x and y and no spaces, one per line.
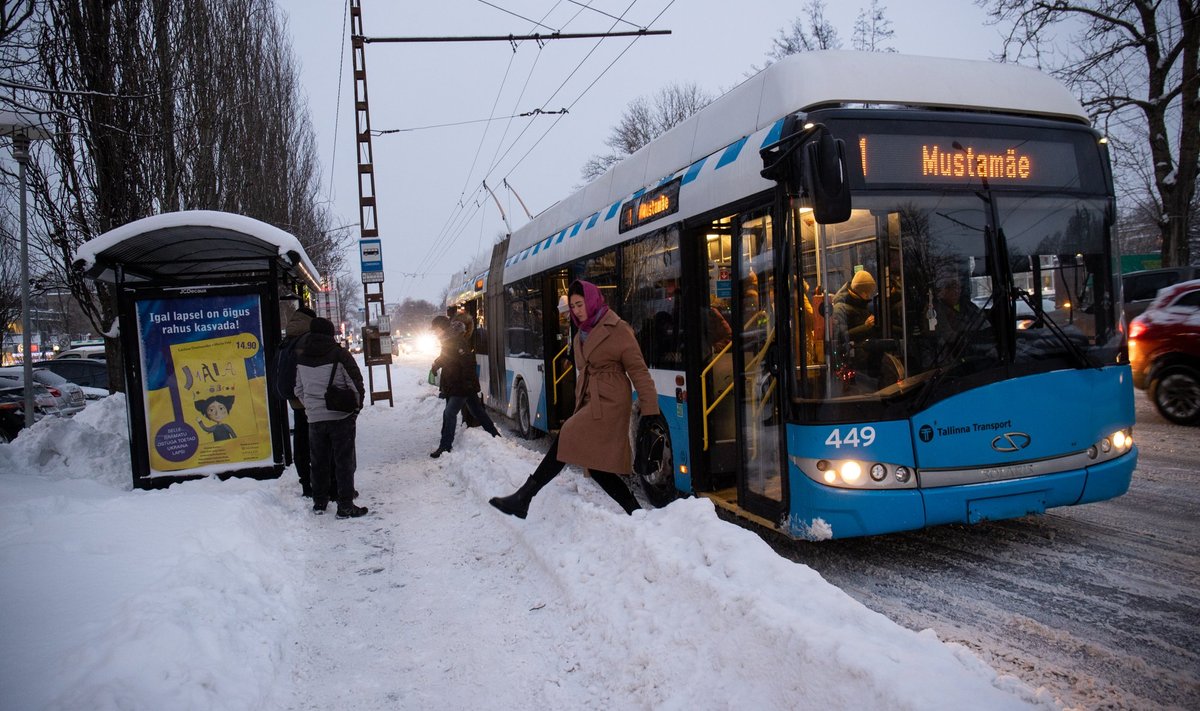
{"x":233,"y":595}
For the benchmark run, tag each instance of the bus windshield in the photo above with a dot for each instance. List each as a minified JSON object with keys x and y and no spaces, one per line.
{"x":904,"y":304}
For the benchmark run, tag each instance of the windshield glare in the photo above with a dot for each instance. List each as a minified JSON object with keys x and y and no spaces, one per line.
{"x":906,"y":296}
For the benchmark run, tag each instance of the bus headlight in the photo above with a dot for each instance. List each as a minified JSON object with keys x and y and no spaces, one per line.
{"x":855,"y":474}
{"x":1114,"y":445}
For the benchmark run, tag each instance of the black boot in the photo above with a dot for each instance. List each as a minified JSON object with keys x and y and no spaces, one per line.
{"x":517,"y":503}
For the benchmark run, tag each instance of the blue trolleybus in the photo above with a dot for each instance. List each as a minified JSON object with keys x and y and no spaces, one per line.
{"x":876,"y":293}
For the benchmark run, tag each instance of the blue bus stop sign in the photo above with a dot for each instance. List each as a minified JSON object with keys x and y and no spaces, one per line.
{"x":371,"y":252}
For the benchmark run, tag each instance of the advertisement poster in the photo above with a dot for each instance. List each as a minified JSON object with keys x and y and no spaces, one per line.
{"x":205,"y":386}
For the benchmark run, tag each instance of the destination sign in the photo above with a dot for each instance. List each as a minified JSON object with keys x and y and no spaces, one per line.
{"x":650,"y":206}
{"x":898,"y":159}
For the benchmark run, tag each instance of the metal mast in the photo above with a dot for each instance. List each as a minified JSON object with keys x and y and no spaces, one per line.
{"x":376,"y":337}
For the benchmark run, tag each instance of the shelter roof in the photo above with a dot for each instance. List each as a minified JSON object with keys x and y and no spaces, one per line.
{"x":194,"y":246}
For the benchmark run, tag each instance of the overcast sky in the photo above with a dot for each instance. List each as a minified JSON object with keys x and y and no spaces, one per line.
{"x":422,"y":176}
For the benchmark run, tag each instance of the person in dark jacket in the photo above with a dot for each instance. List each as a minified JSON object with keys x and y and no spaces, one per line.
{"x":596,"y":437}
{"x":295,"y":336}
{"x":321,"y":365}
{"x":459,"y":383}
{"x":853,"y":321}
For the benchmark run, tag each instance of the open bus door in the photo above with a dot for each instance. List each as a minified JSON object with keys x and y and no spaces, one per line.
{"x":559,"y":365}
{"x":739,"y":439}
{"x":761,"y":484}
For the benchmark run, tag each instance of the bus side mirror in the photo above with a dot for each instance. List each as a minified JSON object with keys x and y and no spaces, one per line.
{"x":825,"y":178}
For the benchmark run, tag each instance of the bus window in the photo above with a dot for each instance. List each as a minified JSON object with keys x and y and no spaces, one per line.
{"x":601,"y":270}
{"x":651,"y":301}
{"x":523,"y":338}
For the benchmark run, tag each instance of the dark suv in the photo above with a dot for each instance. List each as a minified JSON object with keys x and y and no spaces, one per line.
{"x":1141,"y":287}
{"x":1164,"y":351}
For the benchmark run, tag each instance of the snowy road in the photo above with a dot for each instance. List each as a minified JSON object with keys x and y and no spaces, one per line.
{"x":1100,"y":604}
{"x":1097,"y":604}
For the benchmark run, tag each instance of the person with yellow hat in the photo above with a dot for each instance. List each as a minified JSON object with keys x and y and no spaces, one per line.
{"x":853,"y":321}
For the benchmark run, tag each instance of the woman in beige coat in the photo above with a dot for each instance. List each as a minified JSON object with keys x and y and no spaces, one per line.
{"x":596,"y":436}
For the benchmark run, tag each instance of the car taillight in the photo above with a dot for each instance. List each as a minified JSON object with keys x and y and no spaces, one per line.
{"x":1136,"y":328}
{"x":54,"y":391}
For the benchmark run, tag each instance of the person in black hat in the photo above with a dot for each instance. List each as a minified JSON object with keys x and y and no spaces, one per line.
{"x":321,"y":365}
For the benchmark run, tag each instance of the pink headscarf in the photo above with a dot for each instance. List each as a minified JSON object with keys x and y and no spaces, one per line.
{"x":593,"y":301}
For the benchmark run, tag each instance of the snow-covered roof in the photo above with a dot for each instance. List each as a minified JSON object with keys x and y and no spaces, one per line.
{"x":192,"y":245}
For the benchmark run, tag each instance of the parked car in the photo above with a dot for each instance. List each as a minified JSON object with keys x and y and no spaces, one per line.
{"x":81,"y":352}
{"x":87,"y":372}
{"x":1164,"y":351}
{"x":69,"y":396}
{"x":12,"y":406}
{"x":1141,"y":287}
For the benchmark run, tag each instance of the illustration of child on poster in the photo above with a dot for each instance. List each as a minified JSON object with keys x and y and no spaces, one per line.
{"x":205,"y":384}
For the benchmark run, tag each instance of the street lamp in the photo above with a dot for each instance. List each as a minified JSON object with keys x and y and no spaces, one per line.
{"x":23,"y":129}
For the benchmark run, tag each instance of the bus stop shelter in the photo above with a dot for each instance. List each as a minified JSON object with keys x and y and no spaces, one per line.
{"x":198,"y":302}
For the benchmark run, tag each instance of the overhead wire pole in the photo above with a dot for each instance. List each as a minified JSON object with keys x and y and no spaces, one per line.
{"x":376,"y":339}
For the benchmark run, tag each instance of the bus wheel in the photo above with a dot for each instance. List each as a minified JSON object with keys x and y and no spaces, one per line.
{"x":655,"y":463}
{"x":524,"y":421}
{"x":1176,"y":394}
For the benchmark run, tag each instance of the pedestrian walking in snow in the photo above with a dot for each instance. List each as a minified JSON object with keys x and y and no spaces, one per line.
{"x":459,"y":382}
{"x":322,"y":365}
{"x":596,"y":436}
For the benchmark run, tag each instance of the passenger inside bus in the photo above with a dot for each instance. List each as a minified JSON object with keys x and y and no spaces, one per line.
{"x":853,"y":322}
{"x":954,"y":312}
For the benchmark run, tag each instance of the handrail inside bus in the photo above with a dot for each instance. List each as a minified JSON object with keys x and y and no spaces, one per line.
{"x":704,"y":391}
{"x":554,"y":371}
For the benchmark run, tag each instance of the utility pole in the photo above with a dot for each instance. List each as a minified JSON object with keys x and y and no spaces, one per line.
{"x":377,"y":332}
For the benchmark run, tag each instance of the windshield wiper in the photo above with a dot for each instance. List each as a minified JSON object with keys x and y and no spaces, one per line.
{"x":1082,"y":359}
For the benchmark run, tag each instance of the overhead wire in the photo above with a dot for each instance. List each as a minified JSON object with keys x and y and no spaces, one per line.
{"x":436,"y":249}
{"x":444,"y":247}
{"x":584,"y":92}
{"x":337,"y":113}
{"x":456,"y":223}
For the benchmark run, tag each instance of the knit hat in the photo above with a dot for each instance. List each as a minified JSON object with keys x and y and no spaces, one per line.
{"x":307,"y":312}
{"x":321,"y":326}
{"x":863,"y":284}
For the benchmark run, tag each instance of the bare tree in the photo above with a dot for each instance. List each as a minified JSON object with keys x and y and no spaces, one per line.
{"x":810,"y":32}
{"x":644,"y":120}
{"x":13,"y":14}
{"x":1136,"y":66}
{"x":157,"y":106}
{"x":872,"y":29}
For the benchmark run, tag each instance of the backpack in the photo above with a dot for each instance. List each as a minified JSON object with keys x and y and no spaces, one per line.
{"x":285,"y":368}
